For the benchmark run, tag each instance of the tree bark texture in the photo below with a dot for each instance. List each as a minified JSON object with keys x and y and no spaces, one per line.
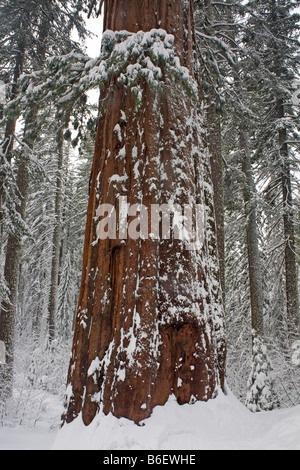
{"x":214,"y":140}
{"x":149,"y":320}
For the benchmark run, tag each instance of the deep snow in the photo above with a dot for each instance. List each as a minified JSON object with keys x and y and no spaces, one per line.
{"x":220,"y":424}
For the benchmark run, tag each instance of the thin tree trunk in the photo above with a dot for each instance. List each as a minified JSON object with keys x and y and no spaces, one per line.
{"x":146,"y":323}
{"x":254,"y":258}
{"x":11,"y":273}
{"x":53,"y":298}
{"x":14,"y":243}
{"x":11,"y":124}
{"x":291,"y":275}
{"x":7,"y":144}
{"x":214,"y":142}
{"x":217,"y":169}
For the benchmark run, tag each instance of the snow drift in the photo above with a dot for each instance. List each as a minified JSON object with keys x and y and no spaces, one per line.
{"x":221,"y":424}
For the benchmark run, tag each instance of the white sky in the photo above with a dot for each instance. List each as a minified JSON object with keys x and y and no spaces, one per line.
{"x":95,"y":25}
{"x":93,"y":46}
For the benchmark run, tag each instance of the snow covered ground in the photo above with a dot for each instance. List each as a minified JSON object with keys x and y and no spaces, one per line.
{"x":22,"y":438}
{"x":220,"y":424}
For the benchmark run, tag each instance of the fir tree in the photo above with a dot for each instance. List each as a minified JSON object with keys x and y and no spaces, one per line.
{"x":32,"y":30}
{"x":272,"y":38}
{"x":260,"y":394}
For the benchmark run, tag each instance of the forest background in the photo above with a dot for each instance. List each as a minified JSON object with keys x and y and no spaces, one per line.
{"x":248,"y":56}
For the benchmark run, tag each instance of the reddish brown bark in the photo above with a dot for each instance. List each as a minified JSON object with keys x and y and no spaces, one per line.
{"x":145,"y":326}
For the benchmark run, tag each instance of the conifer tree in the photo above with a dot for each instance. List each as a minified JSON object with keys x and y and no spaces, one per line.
{"x":273,"y":39}
{"x":153,"y":309}
{"x":260,"y":87}
{"x":260,"y":395}
{"x":33,"y":29}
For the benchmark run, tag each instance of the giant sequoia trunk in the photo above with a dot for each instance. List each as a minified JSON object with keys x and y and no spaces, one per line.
{"x":149,"y":321}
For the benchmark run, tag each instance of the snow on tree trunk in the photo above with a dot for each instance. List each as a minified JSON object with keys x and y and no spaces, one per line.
{"x":150,"y":319}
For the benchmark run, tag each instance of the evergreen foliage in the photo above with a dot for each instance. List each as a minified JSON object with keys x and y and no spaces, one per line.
{"x":259,"y":396}
{"x":249,"y":67}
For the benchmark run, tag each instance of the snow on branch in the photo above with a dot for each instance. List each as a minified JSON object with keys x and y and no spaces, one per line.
{"x":129,"y":57}
{"x":134,"y":57}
